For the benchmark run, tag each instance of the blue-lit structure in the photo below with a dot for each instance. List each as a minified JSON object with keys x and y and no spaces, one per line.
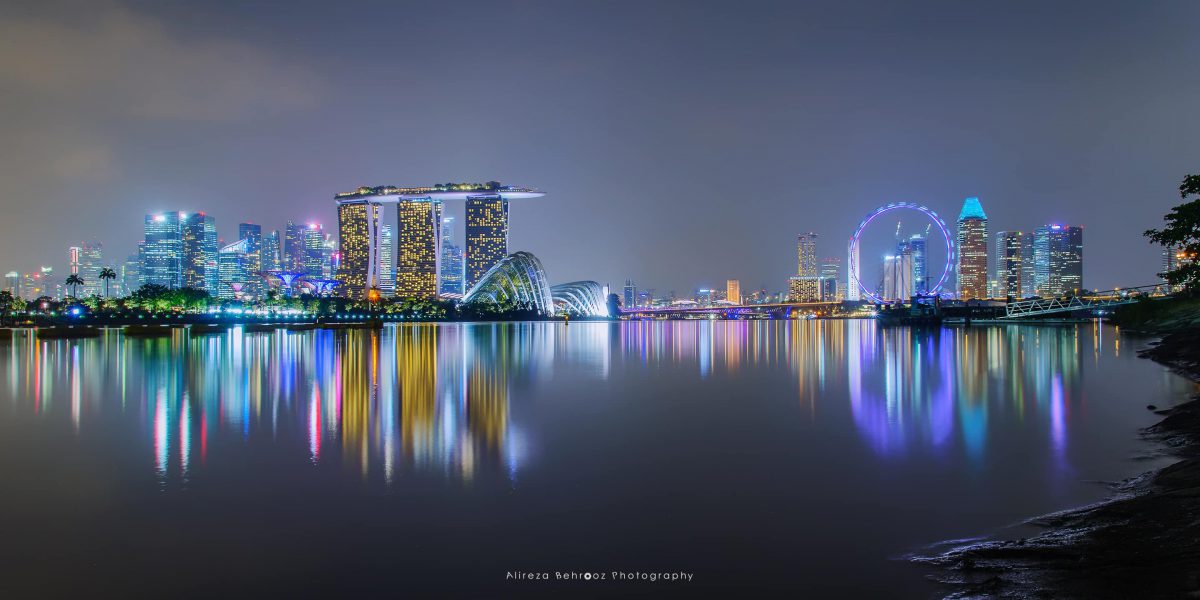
{"x":579,"y":298}
{"x":518,"y":279}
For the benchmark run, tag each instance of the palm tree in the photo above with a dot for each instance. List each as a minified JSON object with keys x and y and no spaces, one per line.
{"x":107,"y":275}
{"x":74,"y":281}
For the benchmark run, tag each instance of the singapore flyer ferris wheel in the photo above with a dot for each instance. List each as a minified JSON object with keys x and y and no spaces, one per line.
{"x":853,"y":263}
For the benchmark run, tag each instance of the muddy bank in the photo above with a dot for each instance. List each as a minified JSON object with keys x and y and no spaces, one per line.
{"x":1144,"y":542}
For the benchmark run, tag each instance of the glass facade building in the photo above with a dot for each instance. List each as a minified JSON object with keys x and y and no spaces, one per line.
{"x":252,"y":235}
{"x":1058,"y":260}
{"x":86,"y":261}
{"x":452,"y":261}
{"x":198,"y":233}
{"x":1011,"y":249}
{"x":162,"y":251}
{"x":234,"y":270}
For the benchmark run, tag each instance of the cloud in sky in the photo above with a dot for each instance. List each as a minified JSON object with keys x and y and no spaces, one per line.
{"x":119,"y":62}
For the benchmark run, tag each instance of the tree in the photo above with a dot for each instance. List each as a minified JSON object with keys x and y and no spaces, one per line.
{"x":107,"y":275}
{"x":74,"y":281}
{"x":1182,"y":235}
{"x":6,"y":304}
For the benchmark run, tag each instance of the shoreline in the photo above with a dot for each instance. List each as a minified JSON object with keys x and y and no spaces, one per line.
{"x":1141,"y":542}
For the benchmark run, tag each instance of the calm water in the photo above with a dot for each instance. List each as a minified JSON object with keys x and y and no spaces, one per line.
{"x":788,"y":456}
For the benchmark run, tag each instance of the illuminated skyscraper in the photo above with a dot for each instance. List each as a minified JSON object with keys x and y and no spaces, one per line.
{"x":129,"y":274}
{"x":806,"y":255}
{"x":387,"y":264}
{"x":452,"y":261}
{"x":199,"y":260}
{"x":316,"y":254}
{"x":86,"y":261}
{"x":358,"y":235}
{"x":234,"y":273}
{"x":1011,"y":250}
{"x":918,"y":243}
{"x":631,"y":295}
{"x":294,"y":257}
{"x":853,"y":273}
{"x":831,"y":276}
{"x":487,"y":226}
{"x":12,"y":283}
{"x":40,"y":283}
{"x":487,"y":235}
{"x":270,"y":252}
{"x":419,"y":242}
{"x":897,"y":276}
{"x":162,"y":251}
{"x":733,"y":291}
{"x":1058,"y":260}
{"x":972,"y":251}
{"x":253,"y":262}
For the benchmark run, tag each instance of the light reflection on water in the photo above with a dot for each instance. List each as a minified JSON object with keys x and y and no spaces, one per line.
{"x":741,"y":431}
{"x":436,"y":398}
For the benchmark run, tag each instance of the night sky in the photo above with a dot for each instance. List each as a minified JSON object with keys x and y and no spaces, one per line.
{"x":680,"y":143}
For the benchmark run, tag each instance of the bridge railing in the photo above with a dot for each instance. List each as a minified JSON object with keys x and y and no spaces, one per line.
{"x":1114,"y":297}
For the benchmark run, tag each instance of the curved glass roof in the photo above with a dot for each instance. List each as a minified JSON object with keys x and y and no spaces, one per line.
{"x":580,"y":298}
{"x":517,"y":279}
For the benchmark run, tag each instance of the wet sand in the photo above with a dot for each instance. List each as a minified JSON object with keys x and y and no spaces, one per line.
{"x":1143,"y":542}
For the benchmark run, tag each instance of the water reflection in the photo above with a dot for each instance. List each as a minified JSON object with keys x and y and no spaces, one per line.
{"x":438,"y":399}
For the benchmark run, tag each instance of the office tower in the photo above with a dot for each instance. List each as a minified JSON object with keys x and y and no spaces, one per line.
{"x":487,"y":235}
{"x":161,"y":252}
{"x":129,"y":274}
{"x":1028,"y":267}
{"x":733,"y":291}
{"x":198,"y":233}
{"x":294,"y":256}
{"x":831,"y":275}
{"x":86,"y":261}
{"x":1010,"y":263}
{"x":898,"y":276}
{"x":387,"y":266}
{"x":631,"y":295}
{"x":919,"y":245}
{"x":452,"y":261}
{"x":1058,"y":260}
{"x":972,"y":250}
{"x":358,"y":239}
{"x":317,"y":255}
{"x":234,"y":264}
{"x":253,"y":263}
{"x":12,"y":283}
{"x":853,"y":273}
{"x":418,"y":247}
{"x":40,"y":283}
{"x":270,"y":252}
{"x":806,"y":255}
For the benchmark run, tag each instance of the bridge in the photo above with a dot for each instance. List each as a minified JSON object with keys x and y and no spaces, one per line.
{"x":1038,"y":307}
{"x":772,"y":311}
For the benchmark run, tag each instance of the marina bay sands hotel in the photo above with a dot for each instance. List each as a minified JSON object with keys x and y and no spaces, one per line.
{"x":418,"y":253}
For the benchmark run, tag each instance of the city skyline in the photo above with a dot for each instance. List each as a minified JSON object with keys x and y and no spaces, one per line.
{"x":272,"y":152}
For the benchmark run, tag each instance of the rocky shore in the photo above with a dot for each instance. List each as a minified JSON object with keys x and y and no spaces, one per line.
{"x":1143,"y":542}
